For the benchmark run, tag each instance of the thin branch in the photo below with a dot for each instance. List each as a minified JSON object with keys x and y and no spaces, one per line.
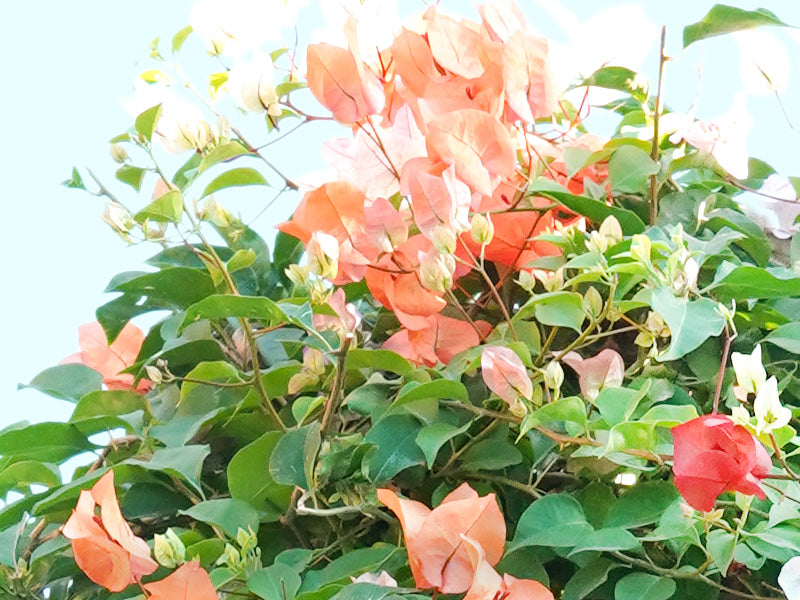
{"x":656,"y":117}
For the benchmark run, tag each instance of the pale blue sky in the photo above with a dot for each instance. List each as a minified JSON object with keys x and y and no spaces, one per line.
{"x":65,"y":68}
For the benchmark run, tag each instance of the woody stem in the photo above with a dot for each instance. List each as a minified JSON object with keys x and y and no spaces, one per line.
{"x":721,"y":373}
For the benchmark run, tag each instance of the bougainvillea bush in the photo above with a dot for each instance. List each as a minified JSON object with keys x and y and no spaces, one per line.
{"x":492,"y":355}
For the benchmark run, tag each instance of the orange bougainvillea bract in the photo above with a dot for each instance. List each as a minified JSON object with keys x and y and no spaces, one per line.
{"x":436,"y":551}
{"x":104,"y":546}
{"x":190,"y":581}
{"x":110,"y":360}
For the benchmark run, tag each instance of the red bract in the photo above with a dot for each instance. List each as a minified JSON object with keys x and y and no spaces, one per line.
{"x":715,"y":455}
{"x":104,"y":546}
{"x":109,"y":360}
{"x":437,"y":554}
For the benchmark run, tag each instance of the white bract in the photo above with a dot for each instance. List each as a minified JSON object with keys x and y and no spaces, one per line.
{"x":789,"y":578}
{"x":770,"y":413}
{"x":251,"y":86}
{"x":750,"y":373}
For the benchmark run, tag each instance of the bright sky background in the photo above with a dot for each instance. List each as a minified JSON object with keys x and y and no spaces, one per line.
{"x":68,"y":65}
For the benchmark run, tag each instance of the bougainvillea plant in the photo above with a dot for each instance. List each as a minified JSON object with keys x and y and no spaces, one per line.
{"x":492,"y":355}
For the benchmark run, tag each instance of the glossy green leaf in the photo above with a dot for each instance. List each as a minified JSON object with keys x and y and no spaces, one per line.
{"x":746,"y":281}
{"x":292,"y":459}
{"x":440,"y":389}
{"x":787,"y":337}
{"x":395,"y":447}
{"x":229,"y":514}
{"x":560,"y":309}
{"x":167,"y":208}
{"x":222,"y":153}
{"x":108,"y":403}
{"x":636,"y":586}
{"x":379,"y":360}
{"x":720,"y":545}
{"x":242,"y":176}
{"x":691,"y":322}
{"x":432,"y":437}
{"x":588,"y":578}
{"x":185,"y":462}
{"x":723,"y":19}
{"x":669,"y":415}
{"x":20,"y":475}
{"x":352,"y":564}
{"x":219,"y":306}
{"x":131,"y":175}
{"x":617,"y":404}
{"x":249,"y":478}
{"x":620,"y":79}
{"x":277,"y":582}
{"x":643,"y":504}
{"x":70,"y":381}
{"x":554,"y":520}
{"x":147,"y":121}
{"x":45,"y":442}
{"x":606,"y":540}
{"x":629,"y":169}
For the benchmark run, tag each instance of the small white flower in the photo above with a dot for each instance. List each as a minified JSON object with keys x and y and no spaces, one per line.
{"x":789,"y":578}
{"x":251,"y":86}
{"x":323,"y":254}
{"x":770,"y":414}
{"x":740,"y":415}
{"x":750,"y":373}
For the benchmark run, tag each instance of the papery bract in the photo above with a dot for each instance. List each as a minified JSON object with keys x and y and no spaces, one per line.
{"x":487,"y":584}
{"x":104,"y":547}
{"x":437,"y":554}
{"x":341,"y":85}
{"x":109,"y":360}
{"x":505,"y":374}
{"x":789,"y":578}
{"x":714,"y":455}
{"x":530,"y":88}
{"x":438,"y":197}
{"x":770,"y":413}
{"x":443,"y":338}
{"x":750,"y":373}
{"x":384,"y":226}
{"x":605,"y":369}
{"x":189,"y":582}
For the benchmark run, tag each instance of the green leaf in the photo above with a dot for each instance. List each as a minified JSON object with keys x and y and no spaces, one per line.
{"x":627,"y":436}
{"x":234,"y":178}
{"x":167,"y":208}
{"x":669,"y":415}
{"x":103,"y":403}
{"x":787,"y":337}
{"x":131,"y":175}
{"x":45,"y":442}
{"x":75,"y":181}
{"x":720,"y":545}
{"x":278,"y":582}
{"x":432,"y":437}
{"x":396,"y":448}
{"x":20,"y":475}
{"x":178,"y":287}
{"x":146,"y":122}
{"x":556,"y":520}
{"x":593,"y":209}
{"x":185,"y":462}
{"x":494,"y":452}
{"x":220,"y":306}
{"x":179,"y":38}
{"x":616,"y":404}
{"x":571,"y":408}
{"x":560,"y":309}
{"x":588,"y":578}
{"x":606,"y":540}
{"x":229,"y":514}
{"x":249,"y":478}
{"x":723,"y":19}
{"x":353,"y":563}
{"x":620,"y":79}
{"x":242,"y":259}
{"x":222,"y":153}
{"x":439,"y":389}
{"x":629,"y":169}
{"x":378,"y":360}
{"x":636,"y":586}
{"x":293,"y":457}
{"x":691,"y":322}
{"x":641,"y":505}
{"x":70,"y":381}
{"x":744,"y":282}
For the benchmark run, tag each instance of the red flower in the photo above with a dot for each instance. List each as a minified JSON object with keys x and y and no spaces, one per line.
{"x":714,"y":455}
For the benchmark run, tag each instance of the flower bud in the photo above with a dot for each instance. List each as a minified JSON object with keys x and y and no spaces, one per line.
{"x":314,"y":361}
{"x":444,"y":240}
{"x":526,"y":280}
{"x":216,"y":214}
{"x":551,"y":280}
{"x":298,"y":275}
{"x":118,"y":153}
{"x":597,"y":242}
{"x":611,"y":230}
{"x":119,"y":219}
{"x":436,"y":271}
{"x":247,"y":540}
{"x":169,"y":549}
{"x":553,"y":376}
{"x":323,"y":255}
{"x":154,"y":374}
{"x":592,"y":303}
{"x":640,"y":248}
{"x":482,"y":229}
{"x":251,"y":85}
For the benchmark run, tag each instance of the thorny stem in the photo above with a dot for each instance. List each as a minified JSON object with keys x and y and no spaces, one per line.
{"x":656,"y":117}
{"x":721,"y":374}
{"x":338,"y":382}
